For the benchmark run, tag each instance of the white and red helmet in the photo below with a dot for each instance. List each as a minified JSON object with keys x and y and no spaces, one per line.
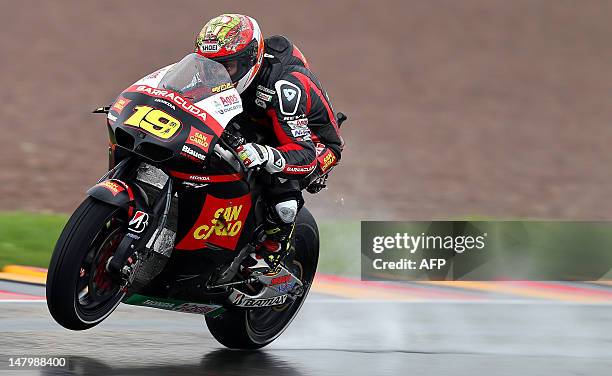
{"x":233,"y":40}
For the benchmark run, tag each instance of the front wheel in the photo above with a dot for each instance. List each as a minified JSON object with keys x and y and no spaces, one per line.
{"x":254,"y":328}
{"x":80,"y":292}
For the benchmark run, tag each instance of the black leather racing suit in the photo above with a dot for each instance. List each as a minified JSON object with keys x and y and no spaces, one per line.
{"x":288,"y":109}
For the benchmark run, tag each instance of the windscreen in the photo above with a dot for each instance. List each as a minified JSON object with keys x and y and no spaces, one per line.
{"x":196,"y":78}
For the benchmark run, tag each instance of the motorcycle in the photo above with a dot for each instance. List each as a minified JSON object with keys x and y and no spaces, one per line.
{"x":175,"y":222}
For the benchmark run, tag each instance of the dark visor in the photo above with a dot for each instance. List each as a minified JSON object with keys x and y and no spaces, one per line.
{"x":244,"y":59}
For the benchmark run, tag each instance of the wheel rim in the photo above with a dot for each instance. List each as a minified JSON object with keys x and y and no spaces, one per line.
{"x":265,"y":320}
{"x":96,"y":291}
{"x":265,"y":324}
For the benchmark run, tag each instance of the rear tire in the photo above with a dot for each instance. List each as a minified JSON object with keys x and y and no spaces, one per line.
{"x":250,"y":329}
{"x":80,"y":294}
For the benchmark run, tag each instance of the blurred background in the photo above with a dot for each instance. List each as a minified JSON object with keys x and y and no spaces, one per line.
{"x":474,"y":108}
{"x":456,"y":108}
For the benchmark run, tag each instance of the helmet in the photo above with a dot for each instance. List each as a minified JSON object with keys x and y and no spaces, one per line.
{"x":236,"y":42}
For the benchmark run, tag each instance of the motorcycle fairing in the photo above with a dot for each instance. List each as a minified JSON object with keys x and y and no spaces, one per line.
{"x":220,"y":223}
{"x":223,"y":100}
{"x":120,"y":194}
{"x":179,"y":110}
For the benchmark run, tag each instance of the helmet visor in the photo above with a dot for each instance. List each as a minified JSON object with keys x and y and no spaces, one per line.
{"x":239,"y":64}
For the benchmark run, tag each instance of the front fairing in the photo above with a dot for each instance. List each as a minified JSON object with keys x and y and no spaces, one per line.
{"x":176,"y":113}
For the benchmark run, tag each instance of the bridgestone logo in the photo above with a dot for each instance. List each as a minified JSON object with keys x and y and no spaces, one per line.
{"x":193,"y":153}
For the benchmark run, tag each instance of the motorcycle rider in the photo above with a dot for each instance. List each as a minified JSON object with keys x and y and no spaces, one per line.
{"x":285,"y":109}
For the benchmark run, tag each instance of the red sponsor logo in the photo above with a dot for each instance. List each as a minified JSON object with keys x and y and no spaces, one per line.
{"x":327,"y":160}
{"x":200,"y":139}
{"x":182,"y":102}
{"x":280,"y":280}
{"x":220,"y":223}
{"x":299,"y":122}
{"x":120,"y":104}
{"x":113,"y":187}
{"x":229,"y":100}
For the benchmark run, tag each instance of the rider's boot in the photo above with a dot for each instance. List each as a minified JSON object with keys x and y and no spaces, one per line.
{"x":279,"y":226}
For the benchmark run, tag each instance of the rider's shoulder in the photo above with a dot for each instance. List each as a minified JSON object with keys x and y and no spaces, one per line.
{"x":284,"y":75}
{"x":278,"y":44}
{"x":280,"y":51}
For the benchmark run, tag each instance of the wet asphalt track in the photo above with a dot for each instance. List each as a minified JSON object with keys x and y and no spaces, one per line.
{"x":330,"y":337}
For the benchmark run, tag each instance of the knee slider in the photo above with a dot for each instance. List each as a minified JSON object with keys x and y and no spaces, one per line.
{"x":287,"y":210}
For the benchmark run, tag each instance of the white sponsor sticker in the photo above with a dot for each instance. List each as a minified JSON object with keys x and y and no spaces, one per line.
{"x":265,"y":89}
{"x":186,"y":149}
{"x":300,"y":132}
{"x":263,"y":96}
{"x":209,"y":47}
{"x":299,"y":123}
{"x":139,"y":222}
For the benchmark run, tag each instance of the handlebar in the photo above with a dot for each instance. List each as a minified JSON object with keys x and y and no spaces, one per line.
{"x":228,"y":154}
{"x":226,"y":148}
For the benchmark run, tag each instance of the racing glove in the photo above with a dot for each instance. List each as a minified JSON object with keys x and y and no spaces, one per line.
{"x":254,"y":155}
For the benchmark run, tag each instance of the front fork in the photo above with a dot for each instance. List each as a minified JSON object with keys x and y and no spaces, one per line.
{"x":140,"y":232}
{"x":144,"y":221}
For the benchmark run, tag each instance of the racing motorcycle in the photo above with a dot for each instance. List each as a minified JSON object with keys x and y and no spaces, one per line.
{"x":175,"y":222}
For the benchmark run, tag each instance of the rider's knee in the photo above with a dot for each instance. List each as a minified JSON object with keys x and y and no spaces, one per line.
{"x":287,"y":210}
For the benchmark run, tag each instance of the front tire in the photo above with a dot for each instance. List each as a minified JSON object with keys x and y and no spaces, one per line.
{"x":80,"y":293}
{"x":250,"y":329}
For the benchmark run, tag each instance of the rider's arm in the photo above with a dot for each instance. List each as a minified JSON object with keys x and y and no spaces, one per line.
{"x":289,"y":118}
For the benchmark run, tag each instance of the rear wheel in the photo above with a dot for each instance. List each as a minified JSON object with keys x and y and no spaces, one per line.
{"x":80,"y":292}
{"x":240,"y":328}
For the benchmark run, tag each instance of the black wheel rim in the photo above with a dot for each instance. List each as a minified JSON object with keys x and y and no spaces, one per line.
{"x":96,"y":290}
{"x":265,"y":323}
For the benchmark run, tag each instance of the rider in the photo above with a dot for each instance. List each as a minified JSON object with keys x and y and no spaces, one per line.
{"x":285,"y":109}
